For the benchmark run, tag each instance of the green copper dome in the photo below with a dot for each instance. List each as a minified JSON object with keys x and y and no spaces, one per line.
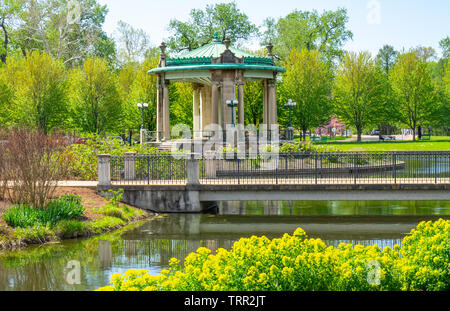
{"x":214,"y":50}
{"x":206,"y":57}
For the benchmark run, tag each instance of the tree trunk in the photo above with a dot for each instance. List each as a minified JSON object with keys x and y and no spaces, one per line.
{"x":5,"y":43}
{"x":304,"y":133}
{"x":414,"y":133}
{"x":359,"y":131}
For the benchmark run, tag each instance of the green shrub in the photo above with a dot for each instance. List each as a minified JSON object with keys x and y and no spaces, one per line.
{"x":83,"y":157}
{"x":306,"y":146}
{"x":70,"y":228}
{"x":35,"y":233}
{"x":112,"y":211}
{"x":115,"y":198}
{"x":425,"y":253}
{"x":21,"y":216}
{"x":113,"y":208}
{"x":104,"y":224}
{"x":64,"y":208}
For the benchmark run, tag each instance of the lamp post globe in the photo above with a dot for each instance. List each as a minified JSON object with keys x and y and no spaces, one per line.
{"x":290,"y":104}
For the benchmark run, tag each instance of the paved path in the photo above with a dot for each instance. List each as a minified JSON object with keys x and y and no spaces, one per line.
{"x":376,"y":138}
{"x":77,"y":183}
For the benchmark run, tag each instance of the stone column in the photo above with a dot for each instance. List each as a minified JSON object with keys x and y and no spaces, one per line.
{"x":215,"y":103}
{"x":265,"y":102}
{"x":195,"y":109}
{"x":104,"y":169}
{"x":130,"y":165}
{"x":193,"y":172}
{"x":228,"y":93}
{"x":272,"y":94}
{"x":206,"y":103}
{"x":210,"y":164}
{"x":241,"y":115}
{"x":159,"y":107}
{"x":166,"y":111}
{"x":211,"y":168}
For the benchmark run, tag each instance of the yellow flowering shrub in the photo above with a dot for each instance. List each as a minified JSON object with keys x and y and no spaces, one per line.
{"x":294,"y":263}
{"x":425,"y":257}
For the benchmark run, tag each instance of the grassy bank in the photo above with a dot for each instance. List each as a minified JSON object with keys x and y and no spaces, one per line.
{"x":21,"y":225}
{"x":437,"y":143}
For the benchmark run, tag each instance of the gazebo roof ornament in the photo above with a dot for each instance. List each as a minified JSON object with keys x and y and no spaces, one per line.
{"x":269,"y":49}
{"x":227,"y":42}
{"x":163,"y":48}
{"x":216,"y":38}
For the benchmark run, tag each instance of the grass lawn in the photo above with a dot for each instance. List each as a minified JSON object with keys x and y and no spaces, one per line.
{"x":438,"y":143}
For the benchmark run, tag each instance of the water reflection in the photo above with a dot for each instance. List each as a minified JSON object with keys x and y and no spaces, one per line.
{"x":151,"y":245}
{"x":105,"y":254}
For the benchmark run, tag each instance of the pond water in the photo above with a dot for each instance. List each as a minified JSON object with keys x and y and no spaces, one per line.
{"x":151,"y":244}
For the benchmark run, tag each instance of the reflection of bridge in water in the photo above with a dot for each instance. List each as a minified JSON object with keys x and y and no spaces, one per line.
{"x":158,"y":252}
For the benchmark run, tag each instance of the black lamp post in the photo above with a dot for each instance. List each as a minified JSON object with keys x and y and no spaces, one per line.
{"x":142,"y":107}
{"x":232,"y":104}
{"x":290,"y":104}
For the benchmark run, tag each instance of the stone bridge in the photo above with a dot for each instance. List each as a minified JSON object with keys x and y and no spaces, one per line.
{"x":195,"y":185}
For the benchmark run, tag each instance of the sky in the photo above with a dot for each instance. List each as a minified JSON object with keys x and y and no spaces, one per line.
{"x":374,"y":23}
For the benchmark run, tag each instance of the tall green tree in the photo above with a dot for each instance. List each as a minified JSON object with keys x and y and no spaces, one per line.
{"x":104,"y":47}
{"x":181,"y":103}
{"x":440,"y":106}
{"x":9,"y":11}
{"x":358,"y":91}
{"x":224,"y":18}
{"x":133,"y":43}
{"x":426,"y":53}
{"x":137,"y":86}
{"x":385,"y":60}
{"x":444,"y":111}
{"x":308,"y":82}
{"x":326,"y":32}
{"x":53,"y":26}
{"x":144,"y":91}
{"x":40,"y":91}
{"x":445,"y":46}
{"x":6,"y":98}
{"x":253,"y":103}
{"x":413,"y":89}
{"x":95,"y":102}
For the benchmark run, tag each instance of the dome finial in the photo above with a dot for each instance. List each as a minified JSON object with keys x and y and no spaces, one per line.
{"x":227,"y":42}
{"x":216,"y":37}
{"x":269,"y":49}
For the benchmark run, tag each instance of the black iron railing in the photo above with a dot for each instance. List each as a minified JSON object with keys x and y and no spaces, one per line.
{"x":148,"y":169}
{"x":288,"y":168}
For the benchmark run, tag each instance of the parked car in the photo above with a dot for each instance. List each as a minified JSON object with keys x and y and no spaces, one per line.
{"x":375,"y":132}
{"x":389,"y":138}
